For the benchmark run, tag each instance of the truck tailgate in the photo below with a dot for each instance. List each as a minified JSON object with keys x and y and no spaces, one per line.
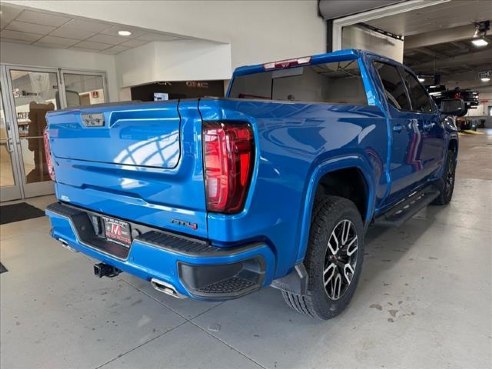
{"x":135,"y":136}
{"x":140,"y":162}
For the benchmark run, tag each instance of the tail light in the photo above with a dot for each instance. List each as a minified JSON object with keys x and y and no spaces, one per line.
{"x":228,"y":151}
{"x":47,"y":153}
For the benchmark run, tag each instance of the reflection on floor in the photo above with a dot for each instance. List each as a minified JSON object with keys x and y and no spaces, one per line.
{"x":424,"y":301}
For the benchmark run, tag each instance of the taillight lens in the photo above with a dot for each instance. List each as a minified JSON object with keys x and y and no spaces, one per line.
{"x":228,"y":150}
{"x":47,"y":153}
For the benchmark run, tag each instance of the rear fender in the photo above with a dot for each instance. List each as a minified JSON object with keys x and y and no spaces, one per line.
{"x":348,"y":161}
{"x":451,"y":135}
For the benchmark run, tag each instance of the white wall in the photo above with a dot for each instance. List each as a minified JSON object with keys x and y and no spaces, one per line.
{"x":360,"y":38}
{"x":136,"y":66}
{"x":174,"y":61}
{"x":485,"y":97}
{"x":11,"y":53}
{"x":258,"y":31}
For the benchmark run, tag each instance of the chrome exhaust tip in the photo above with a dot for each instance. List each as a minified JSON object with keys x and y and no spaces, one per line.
{"x":66,"y":245}
{"x":166,"y":288}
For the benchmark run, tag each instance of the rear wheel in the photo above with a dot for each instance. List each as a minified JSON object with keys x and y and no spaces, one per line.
{"x":446,"y":183}
{"x":333,"y":260}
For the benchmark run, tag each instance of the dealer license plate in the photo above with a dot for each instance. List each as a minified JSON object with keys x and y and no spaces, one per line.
{"x":117,"y":231}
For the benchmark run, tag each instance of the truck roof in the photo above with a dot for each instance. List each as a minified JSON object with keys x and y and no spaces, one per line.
{"x":339,"y":55}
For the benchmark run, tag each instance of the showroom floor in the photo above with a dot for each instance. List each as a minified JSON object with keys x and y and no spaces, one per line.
{"x":424,"y":301}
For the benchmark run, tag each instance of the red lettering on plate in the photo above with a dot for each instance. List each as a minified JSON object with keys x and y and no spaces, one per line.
{"x":116,"y":229}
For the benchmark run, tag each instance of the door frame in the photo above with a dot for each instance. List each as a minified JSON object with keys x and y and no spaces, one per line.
{"x":63,"y":71}
{"x":36,"y":188}
{"x":23,"y":190}
{"x":14,"y":192}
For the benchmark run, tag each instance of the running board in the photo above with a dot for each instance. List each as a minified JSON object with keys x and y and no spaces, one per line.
{"x":407,"y":208}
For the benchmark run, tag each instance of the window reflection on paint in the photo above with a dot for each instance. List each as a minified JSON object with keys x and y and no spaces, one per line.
{"x":157,"y":151}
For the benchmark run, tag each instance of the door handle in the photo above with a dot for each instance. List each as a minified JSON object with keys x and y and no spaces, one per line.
{"x":428,"y":125}
{"x":10,"y":145}
{"x":412,"y":123}
{"x":397,"y":128}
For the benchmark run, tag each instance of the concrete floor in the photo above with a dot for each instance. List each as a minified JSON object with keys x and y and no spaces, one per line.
{"x":424,"y":301}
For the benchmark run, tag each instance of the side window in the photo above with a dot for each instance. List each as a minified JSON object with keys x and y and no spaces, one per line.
{"x":418,"y":95}
{"x":393,"y":86}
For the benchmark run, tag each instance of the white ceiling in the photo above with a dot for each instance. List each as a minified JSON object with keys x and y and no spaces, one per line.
{"x":432,"y":18}
{"x":46,"y":29}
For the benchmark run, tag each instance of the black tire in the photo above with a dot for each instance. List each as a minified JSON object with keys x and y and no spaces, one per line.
{"x":463,"y":113}
{"x":329,"y":214}
{"x":446,"y":183}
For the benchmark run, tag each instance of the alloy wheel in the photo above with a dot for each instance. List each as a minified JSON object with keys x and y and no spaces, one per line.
{"x":450,"y":176}
{"x":340,"y":259}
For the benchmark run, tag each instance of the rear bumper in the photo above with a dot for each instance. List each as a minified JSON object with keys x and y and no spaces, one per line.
{"x":193,"y":267}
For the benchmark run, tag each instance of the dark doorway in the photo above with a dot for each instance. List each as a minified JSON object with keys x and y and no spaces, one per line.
{"x":179,"y":90}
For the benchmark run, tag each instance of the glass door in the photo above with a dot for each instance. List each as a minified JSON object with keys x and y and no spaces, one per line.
{"x":84,"y":88}
{"x":34,"y":93}
{"x":10,"y":188}
{"x":28,"y":94}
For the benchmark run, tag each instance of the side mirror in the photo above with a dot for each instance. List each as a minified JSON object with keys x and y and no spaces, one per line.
{"x":454,"y":107}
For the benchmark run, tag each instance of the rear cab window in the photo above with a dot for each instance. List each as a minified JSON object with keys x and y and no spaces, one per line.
{"x":335,"y":82}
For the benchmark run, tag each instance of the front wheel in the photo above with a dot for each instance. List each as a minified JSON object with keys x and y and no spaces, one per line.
{"x":333,"y":260}
{"x":446,"y":183}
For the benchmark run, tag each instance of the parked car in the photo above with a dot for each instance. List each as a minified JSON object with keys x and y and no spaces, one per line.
{"x":466,"y":124}
{"x":470,"y":97}
{"x":275,"y":184}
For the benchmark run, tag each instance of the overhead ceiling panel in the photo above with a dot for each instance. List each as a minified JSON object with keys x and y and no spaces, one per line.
{"x":20,"y":36}
{"x":93,"y":45}
{"x":450,"y":14}
{"x":332,"y":9}
{"x":7,"y":15}
{"x":41,"y":28}
{"x":37,"y":17}
{"x":59,"y":42}
{"x":30,"y":27}
{"x":107,"y":39}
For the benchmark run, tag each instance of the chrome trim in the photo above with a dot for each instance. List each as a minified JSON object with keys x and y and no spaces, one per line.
{"x":166,"y":288}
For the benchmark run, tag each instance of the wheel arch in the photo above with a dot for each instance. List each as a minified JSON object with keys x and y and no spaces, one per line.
{"x":334,"y":168}
{"x":453,"y":145}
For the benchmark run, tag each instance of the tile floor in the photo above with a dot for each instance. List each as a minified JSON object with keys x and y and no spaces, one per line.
{"x":424,"y":301}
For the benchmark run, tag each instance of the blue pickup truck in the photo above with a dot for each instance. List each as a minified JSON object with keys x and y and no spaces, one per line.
{"x":275,"y":184}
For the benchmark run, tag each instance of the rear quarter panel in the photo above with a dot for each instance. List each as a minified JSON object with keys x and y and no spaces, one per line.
{"x":296,"y":143}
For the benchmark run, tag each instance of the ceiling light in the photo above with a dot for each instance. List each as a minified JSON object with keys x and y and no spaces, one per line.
{"x":485,"y":79}
{"x":480,"y":42}
{"x":124,"y":33}
{"x":421,"y":79}
{"x":481,"y":29}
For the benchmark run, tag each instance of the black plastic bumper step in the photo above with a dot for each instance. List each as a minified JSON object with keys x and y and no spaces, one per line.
{"x":233,"y":285}
{"x":407,"y":208}
{"x":86,"y":233}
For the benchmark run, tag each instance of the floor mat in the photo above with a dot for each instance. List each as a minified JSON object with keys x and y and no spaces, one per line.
{"x":18,"y":212}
